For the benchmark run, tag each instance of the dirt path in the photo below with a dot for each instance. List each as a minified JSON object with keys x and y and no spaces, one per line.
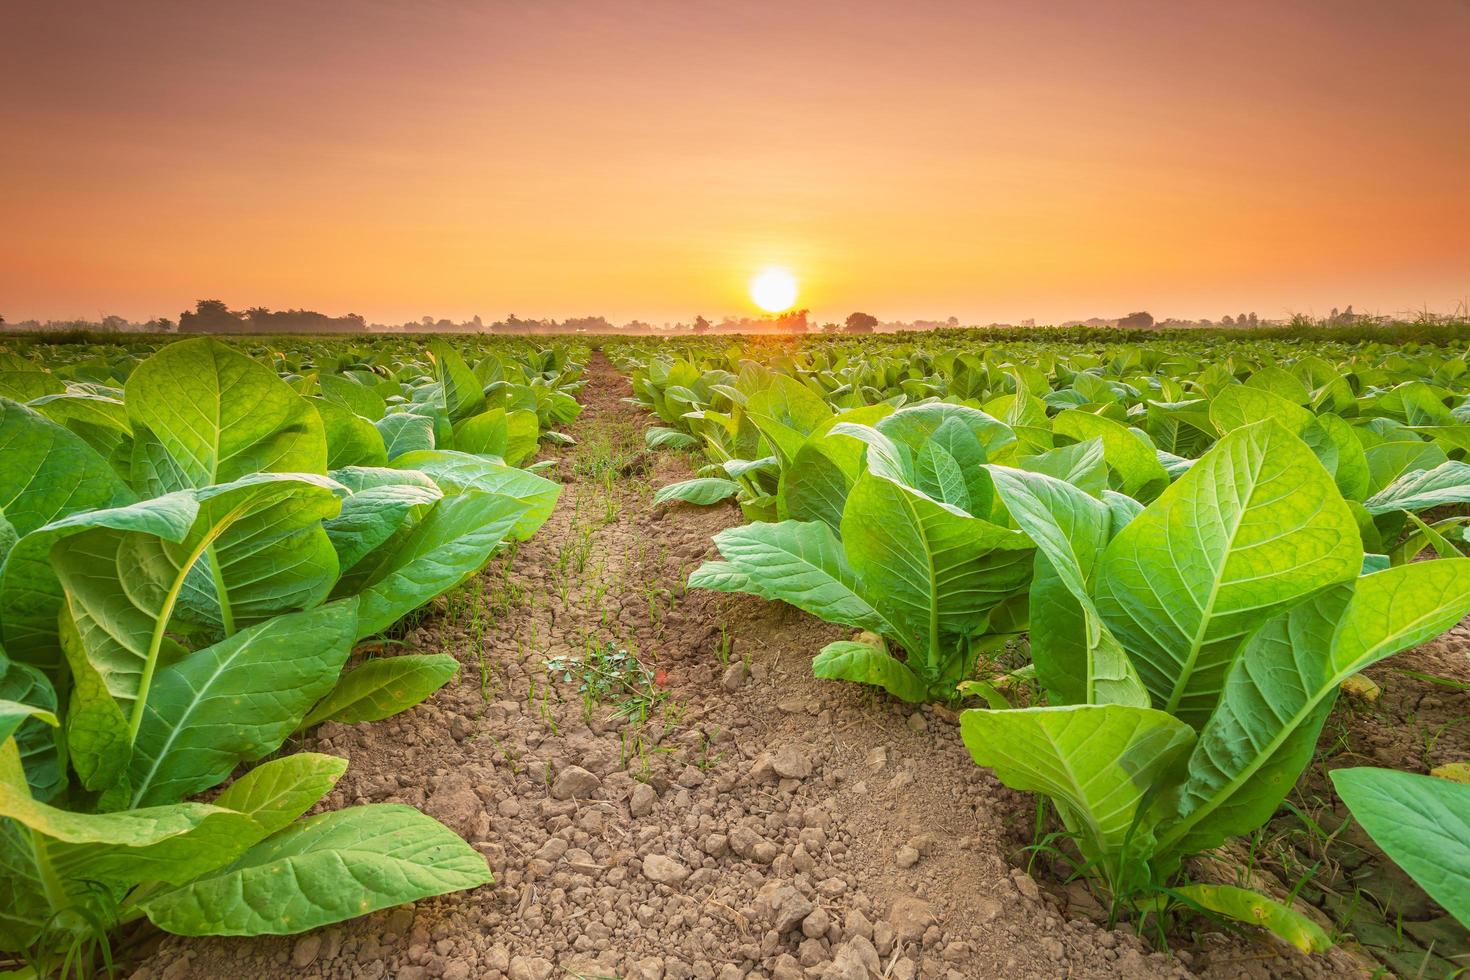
{"x":746,"y":821}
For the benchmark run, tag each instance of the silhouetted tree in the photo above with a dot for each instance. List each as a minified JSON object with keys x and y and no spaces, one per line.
{"x":1227,"y":320}
{"x":701,"y":325}
{"x":861,"y":323}
{"x":1141,"y":320}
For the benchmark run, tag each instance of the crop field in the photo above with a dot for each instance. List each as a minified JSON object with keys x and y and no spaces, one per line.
{"x":1028,"y":654}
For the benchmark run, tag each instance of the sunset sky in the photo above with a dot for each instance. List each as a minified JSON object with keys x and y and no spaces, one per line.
{"x":989,"y":160}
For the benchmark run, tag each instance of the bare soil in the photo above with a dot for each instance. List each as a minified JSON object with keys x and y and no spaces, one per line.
{"x":748,"y":821}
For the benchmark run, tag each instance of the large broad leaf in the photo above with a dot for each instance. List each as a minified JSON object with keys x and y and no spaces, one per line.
{"x":451,"y":543}
{"x":49,"y":473}
{"x":702,"y":491}
{"x":1423,"y":823}
{"x":26,"y":690}
{"x":1096,"y":762}
{"x":1244,"y":905}
{"x":863,"y":663}
{"x":322,"y":870}
{"x":460,"y":389}
{"x":404,"y":432}
{"x":935,"y":570}
{"x":351,"y":439}
{"x":915,"y":425}
{"x":43,"y":849}
{"x":510,"y":435}
{"x":275,"y":793}
{"x":379,"y":502}
{"x":204,"y":414}
{"x":30,"y":594}
{"x":1135,"y":467}
{"x":252,"y":549}
{"x":945,"y":448}
{"x":1283,"y":685}
{"x":662,"y":437}
{"x":797,"y":562}
{"x":1447,"y":483}
{"x":455,"y":472}
{"x":786,"y":413}
{"x":357,"y":398}
{"x":1081,"y":465}
{"x":382,"y":687}
{"x":1241,"y":405}
{"x":1390,"y":461}
{"x":1077,"y":658}
{"x":814,"y":487}
{"x":1254,"y":526}
{"x":236,"y":701}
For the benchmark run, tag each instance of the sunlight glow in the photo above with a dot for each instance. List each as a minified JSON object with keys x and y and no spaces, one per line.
{"x":773,"y":290}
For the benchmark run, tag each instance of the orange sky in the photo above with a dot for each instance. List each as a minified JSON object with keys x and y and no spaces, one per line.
{"x":989,"y":160}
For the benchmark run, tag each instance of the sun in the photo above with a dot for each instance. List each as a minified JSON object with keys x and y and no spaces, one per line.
{"x":773,"y":290}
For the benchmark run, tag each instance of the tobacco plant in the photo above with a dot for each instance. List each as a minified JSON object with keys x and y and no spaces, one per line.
{"x":181,"y":606}
{"x":1191,"y":652}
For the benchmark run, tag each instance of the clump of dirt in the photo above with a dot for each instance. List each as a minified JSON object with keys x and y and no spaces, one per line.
{"x":701,"y":808}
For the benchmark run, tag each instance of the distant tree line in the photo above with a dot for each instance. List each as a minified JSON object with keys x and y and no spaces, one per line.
{"x":213,"y":316}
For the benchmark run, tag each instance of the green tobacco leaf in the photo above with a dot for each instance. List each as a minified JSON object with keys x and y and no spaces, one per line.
{"x":49,"y":473}
{"x":1253,"y":908}
{"x":932,"y":569}
{"x":1241,"y":405}
{"x":382,"y":687}
{"x":814,"y":487}
{"x":1077,"y":658}
{"x":662,"y":437}
{"x":864,"y":663}
{"x":236,"y":701}
{"x":1423,"y":823}
{"x":322,"y":870}
{"x":404,"y":432}
{"x":460,"y":390}
{"x":1390,"y":461}
{"x":356,"y":398}
{"x":702,"y":491}
{"x":115,"y":850}
{"x":379,"y":502}
{"x":452,"y":542}
{"x":1133,"y":462}
{"x":456,"y":472}
{"x":1254,"y":526}
{"x":786,"y":413}
{"x":1081,"y":464}
{"x":1096,"y":762}
{"x":251,"y":550}
{"x":1283,"y":685}
{"x":1447,"y":483}
{"x":23,"y":386}
{"x":736,"y":468}
{"x":797,"y":562}
{"x":351,"y":439}
{"x":14,"y":714}
{"x":205,"y":414}
{"x":485,"y":434}
{"x":28,"y":710}
{"x":508,"y":435}
{"x":916,"y":425}
{"x":275,"y":793}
